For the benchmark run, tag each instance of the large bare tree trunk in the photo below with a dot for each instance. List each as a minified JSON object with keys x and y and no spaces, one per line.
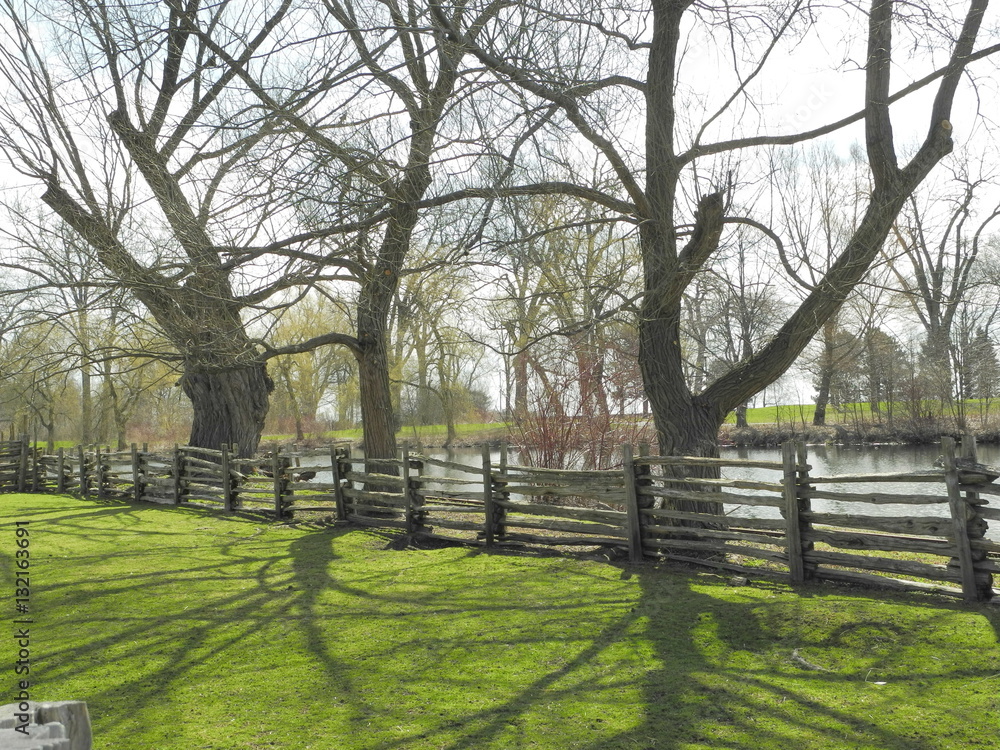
{"x":377,"y":413}
{"x":229,"y":406}
{"x":685,"y":425}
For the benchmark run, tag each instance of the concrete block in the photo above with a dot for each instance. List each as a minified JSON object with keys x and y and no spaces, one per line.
{"x":59,"y":725}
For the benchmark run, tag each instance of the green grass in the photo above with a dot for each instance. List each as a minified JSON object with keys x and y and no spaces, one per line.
{"x":57,"y":444}
{"x":409,"y":433}
{"x":802,"y":414}
{"x":783,"y":414}
{"x":186,"y":630}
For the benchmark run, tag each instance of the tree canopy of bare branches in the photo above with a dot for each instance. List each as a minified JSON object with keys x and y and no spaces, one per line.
{"x":603,"y":68}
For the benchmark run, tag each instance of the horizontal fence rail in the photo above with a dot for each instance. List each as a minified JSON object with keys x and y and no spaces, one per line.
{"x":654,"y":507}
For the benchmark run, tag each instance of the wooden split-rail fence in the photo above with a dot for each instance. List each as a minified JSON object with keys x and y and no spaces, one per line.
{"x":769,"y":526}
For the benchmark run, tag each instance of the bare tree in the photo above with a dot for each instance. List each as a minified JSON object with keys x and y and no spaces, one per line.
{"x":565,"y":302}
{"x":598,"y":67}
{"x":818,"y":198}
{"x":63,"y":288}
{"x":305,"y":381}
{"x":140,"y":142}
{"x":35,"y":382}
{"x":735,"y":312}
{"x":390,"y":132}
{"x":197,"y":150}
{"x":940,"y":233}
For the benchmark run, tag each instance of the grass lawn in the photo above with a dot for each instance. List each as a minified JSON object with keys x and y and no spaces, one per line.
{"x":796,"y":414}
{"x":411,"y":434}
{"x":801,"y":415}
{"x":186,"y":630}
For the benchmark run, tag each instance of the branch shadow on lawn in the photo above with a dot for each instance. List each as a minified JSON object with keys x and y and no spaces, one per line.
{"x":733,"y":672}
{"x":663,"y":659}
{"x":685,"y":698}
{"x":717,"y":673}
{"x":128,"y":631}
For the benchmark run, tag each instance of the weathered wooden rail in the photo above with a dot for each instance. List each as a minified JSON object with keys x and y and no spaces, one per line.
{"x":655,"y":507}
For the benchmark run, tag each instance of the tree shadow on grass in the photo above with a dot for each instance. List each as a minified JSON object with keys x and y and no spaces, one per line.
{"x":676,"y":699}
{"x":716,"y":671}
{"x":664,"y":658}
{"x":436,"y":669}
{"x":153,"y":607}
{"x":738,"y":671}
{"x":312,"y":556}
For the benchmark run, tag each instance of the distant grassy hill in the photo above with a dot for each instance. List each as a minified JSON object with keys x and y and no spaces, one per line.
{"x":783,"y":414}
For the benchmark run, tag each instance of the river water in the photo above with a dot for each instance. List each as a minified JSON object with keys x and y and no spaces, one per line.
{"x":838,"y":460}
{"x":825,"y":461}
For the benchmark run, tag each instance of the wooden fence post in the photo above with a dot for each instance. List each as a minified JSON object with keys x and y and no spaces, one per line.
{"x":418,"y":500}
{"x":633,"y":520}
{"x":234,"y":484}
{"x":793,"y":531}
{"x":278,"y":465}
{"x":338,"y":488}
{"x":804,"y":506}
{"x":22,"y":467}
{"x":407,"y":491}
{"x":977,"y":526}
{"x":350,"y":506}
{"x":276,"y":480}
{"x":83,"y":485}
{"x":35,"y":465}
{"x":969,"y":450}
{"x":959,"y":520}
{"x":643,"y":478}
{"x":227,"y":480}
{"x":137,"y":488}
{"x":99,"y":472}
{"x":501,"y":480}
{"x":178,"y":469}
{"x":60,"y":471}
{"x":489,"y":505}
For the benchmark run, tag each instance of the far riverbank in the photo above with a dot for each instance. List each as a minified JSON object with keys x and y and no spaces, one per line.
{"x":756,"y":435}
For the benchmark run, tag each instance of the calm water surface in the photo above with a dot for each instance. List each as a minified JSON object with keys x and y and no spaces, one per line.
{"x":882,"y":459}
{"x":825,"y":461}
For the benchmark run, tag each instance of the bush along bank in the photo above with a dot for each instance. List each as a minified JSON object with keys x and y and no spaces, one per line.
{"x":924,"y":433}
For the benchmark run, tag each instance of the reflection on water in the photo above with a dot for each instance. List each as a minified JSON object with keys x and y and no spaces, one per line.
{"x":835,"y":460}
{"x":827,"y":460}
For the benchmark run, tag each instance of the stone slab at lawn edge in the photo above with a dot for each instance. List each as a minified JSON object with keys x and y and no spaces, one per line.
{"x":59,"y":725}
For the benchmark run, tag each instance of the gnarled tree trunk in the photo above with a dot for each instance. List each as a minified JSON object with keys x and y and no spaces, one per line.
{"x":230,"y":406}
{"x":377,"y":414}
